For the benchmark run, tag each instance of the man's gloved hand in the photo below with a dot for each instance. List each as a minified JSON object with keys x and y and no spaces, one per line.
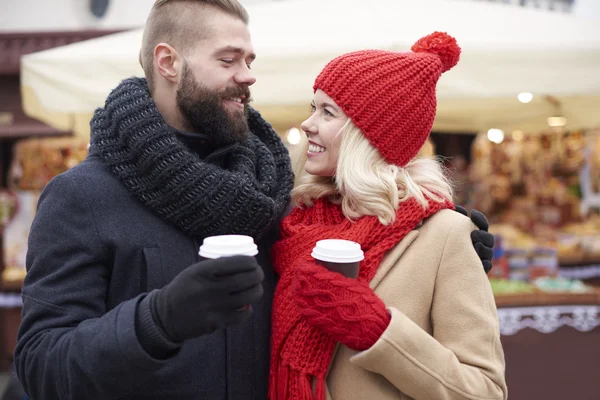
{"x":207,"y":296}
{"x":483,"y":241}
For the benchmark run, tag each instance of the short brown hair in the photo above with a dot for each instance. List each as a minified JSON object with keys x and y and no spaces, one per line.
{"x":169,"y":21}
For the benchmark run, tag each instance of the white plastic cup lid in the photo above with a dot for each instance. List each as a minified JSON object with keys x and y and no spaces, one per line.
{"x":338,"y":251}
{"x":227,"y":246}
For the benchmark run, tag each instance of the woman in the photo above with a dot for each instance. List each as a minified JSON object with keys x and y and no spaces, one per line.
{"x":420,"y":321}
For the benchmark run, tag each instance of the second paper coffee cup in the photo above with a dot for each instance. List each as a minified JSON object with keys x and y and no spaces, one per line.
{"x":343,"y":256}
{"x":227,"y":245}
{"x":214,"y":247}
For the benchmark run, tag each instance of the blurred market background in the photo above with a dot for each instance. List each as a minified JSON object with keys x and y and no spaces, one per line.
{"x":518,"y":125}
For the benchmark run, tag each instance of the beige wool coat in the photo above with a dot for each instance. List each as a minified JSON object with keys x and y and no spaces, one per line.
{"x":443,"y":341}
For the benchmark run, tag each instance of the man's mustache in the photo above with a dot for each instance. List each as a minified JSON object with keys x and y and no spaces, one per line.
{"x":234,"y":92}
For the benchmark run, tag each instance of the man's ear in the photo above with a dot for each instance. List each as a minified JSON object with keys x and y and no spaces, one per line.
{"x":168,"y":62}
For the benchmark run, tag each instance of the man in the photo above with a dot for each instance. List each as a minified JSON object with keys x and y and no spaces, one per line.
{"x":117,"y":304}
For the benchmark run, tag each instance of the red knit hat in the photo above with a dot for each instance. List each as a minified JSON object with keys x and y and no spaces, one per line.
{"x":390,"y":96}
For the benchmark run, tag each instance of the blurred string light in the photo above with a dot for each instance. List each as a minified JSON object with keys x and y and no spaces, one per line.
{"x":525,"y":97}
{"x":518,"y":135}
{"x":293,"y":136}
{"x":557,"y":122}
{"x":495,"y":135}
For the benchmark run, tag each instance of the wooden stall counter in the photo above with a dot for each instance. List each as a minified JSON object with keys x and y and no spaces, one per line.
{"x":552,"y":344}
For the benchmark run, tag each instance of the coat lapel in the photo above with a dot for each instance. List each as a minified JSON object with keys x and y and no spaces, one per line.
{"x":391,"y":259}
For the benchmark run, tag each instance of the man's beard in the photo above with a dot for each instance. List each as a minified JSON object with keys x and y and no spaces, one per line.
{"x":203,"y":111}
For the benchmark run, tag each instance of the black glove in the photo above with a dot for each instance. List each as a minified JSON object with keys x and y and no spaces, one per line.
{"x":483,"y":241}
{"x":207,"y":296}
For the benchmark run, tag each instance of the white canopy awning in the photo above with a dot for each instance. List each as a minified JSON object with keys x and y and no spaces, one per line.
{"x":506,"y":50}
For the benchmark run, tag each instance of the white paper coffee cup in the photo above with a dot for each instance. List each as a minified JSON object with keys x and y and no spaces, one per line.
{"x":342,"y":256}
{"x":338,"y":251}
{"x":227,"y":245}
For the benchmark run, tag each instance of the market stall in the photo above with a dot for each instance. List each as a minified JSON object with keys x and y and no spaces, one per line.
{"x":35,"y":162}
{"x":538,"y":190}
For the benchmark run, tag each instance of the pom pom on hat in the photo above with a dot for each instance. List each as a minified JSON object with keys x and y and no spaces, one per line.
{"x":442,"y":45}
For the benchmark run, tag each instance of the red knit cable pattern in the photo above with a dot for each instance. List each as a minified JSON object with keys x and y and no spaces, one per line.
{"x":391,"y":96}
{"x":347,"y":310}
{"x":300,"y":351}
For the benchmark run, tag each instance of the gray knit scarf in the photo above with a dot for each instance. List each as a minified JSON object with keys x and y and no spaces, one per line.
{"x":247,"y":195}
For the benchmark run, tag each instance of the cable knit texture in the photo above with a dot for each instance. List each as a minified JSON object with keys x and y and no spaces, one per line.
{"x":247,"y":196}
{"x":300,"y":350}
{"x":390,"y":96}
{"x":347,"y":310}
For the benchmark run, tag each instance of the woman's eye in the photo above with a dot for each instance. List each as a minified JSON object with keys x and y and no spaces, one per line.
{"x":227,"y":61}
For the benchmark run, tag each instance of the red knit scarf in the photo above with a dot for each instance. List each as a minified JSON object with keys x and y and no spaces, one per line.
{"x":299,"y":352}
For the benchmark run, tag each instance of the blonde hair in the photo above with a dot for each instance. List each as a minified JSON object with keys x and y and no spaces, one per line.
{"x":366,"y":184}
{"x":173,"y":22}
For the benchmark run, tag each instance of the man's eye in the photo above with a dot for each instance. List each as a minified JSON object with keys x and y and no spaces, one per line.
{"x":227,"y":61}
